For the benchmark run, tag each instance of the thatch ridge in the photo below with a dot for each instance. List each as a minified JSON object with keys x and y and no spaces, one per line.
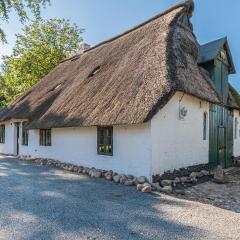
{"x":139,"y":72}
{"x":234,"y":100}
{"x":184,"y":3}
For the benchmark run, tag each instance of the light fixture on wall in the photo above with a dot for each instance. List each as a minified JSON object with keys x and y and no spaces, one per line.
{"x":182,"y":112}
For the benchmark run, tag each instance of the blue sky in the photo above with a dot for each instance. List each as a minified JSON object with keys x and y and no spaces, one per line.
{"x":103,"y":19}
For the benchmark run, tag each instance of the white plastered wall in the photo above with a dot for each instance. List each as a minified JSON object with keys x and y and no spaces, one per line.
{"x":179,"y":143}
{"x":164,"y":143}
{"x":236,"y":134}
{"x":10,"y":145}
{"x":131,"y":148}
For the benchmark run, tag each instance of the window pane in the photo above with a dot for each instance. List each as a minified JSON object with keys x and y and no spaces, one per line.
{"x":101,"y":136}
{"x":2,"y":133}
{"x":205,"y":126}
{"x":24,"y":134}
{"x":105,"y":140}
{"x":45,"y":137}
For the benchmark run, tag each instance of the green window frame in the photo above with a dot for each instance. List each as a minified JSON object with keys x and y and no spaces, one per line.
{"x":105,"y":141}
{"x":2,"y":133}
{"x":205,"y":127}
{"x":45,"y":138}
{"x":24,"y":134}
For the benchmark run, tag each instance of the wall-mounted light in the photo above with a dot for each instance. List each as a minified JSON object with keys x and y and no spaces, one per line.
{"x":183,"y":112}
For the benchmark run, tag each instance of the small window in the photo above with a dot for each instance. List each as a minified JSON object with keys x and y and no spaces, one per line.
{"x":235,"y":128}
{"x":95,"y":71}
{"x":45,"y":137}
{"x":105,"y":140}
{"x":185,"y":20}
{"x":2,"y":133}
{"x":205,"y":126}
{"x":24,"y":134}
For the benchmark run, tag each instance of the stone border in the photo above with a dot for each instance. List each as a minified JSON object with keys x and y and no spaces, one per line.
{"x":141,"y":182}
{"x":167,"y":183}
{"x":178,"y":180}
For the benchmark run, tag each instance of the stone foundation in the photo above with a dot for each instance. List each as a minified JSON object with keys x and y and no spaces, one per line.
{"x":177,"y":180}
{"x":141,"y":182}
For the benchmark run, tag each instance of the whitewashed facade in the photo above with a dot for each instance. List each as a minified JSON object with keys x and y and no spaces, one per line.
{"x":167,"y":142}
{"x":236,"y":134}
{"x":178,"y":142}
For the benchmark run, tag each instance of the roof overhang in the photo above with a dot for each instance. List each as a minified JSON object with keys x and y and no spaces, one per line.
{"x":14,"y":120}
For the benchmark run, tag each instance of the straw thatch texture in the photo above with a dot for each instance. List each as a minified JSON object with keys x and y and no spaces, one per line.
{"x":137,"y":73}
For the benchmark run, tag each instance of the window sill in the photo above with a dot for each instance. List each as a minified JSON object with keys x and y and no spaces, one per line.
{"x":105,"y":154}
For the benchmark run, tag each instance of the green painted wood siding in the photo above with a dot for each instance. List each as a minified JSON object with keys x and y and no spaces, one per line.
{"x":220,"y":136}
{"x":220,"y":117}
{"x":221,"y":79}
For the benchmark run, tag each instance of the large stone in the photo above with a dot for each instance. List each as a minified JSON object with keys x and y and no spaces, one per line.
{"x":177,"y":180}
{"x":139,"y":187}
{"x":123,"y":179}
{"x":147,"y":189}
{"x":86,"y":170}
{"x":167,"y":189}
{"x":193,"y":175}
{"x":135,"y":182}
{"x":200,"y":174}
{"x":205,"y":172}
{"x":109,"y":177}
{"x":165,"y":183}
{"x":156,"y":186}
{"x":109,"y":173}
{"x":116,"y":178}
{"x":97,"y":174}
{"x":75,"y":169}
{"x":180,"y":191}
{"x":146,"y":185}
{"x":141,"y":180}
{"x":219,"y":175}
{"x":183,"y":179}
{"x":130,"y":177}
{"x":128,"y":183}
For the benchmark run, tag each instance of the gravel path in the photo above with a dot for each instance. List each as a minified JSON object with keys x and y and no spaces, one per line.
{"x":40,"y":202}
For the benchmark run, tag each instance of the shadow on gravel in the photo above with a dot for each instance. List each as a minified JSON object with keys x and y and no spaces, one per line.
{"x":40,"y":202}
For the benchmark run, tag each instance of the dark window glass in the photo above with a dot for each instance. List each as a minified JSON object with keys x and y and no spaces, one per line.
{"x":185,"y":20}
{"x":2,"y":133}
{"x":24,"y":134}
{"x":235,"y":128}
{"x":105,"y":140}
{"x":45,"y":137}
{"x":205,"y":126}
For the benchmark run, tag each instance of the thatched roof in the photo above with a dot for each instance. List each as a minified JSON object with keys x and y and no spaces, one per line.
{"x":124,"y":80}
{"x":234,"y":97}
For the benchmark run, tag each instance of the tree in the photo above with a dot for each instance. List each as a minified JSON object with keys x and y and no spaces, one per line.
{"x":41,"y":46}
{"x":20,"y":7}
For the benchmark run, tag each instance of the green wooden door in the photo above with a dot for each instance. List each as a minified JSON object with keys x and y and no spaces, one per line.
{"x":221,"y":148}
{"x":220,"y":136}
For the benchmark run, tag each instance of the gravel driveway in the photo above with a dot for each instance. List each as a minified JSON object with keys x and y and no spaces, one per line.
{"x":40,"y":202}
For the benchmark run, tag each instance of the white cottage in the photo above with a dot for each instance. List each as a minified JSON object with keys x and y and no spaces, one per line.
{"x":144,"y":102}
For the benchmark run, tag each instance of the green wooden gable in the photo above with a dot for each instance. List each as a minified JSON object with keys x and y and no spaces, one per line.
{"x":216,"y":58}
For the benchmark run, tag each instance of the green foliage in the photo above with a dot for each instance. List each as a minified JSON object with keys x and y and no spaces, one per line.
{"x":20,"y":7}
{"x":37,"y":51}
